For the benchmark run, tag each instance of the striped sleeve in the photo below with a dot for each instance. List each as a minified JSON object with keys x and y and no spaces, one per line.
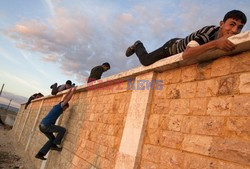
{"x":201,"y":36}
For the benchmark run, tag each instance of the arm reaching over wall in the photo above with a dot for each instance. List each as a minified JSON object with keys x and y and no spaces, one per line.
{"x":68,"y":96}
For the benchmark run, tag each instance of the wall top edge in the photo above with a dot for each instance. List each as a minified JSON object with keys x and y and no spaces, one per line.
{"x":242,"y":41}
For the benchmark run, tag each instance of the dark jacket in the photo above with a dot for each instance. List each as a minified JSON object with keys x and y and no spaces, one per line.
{"x":95,"y":73}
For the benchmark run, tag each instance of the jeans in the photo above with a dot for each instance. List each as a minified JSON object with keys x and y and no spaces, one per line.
{"x":150,"y":58}
{"x":48,"y":130}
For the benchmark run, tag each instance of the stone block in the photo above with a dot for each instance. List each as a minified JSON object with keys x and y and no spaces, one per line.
{"x":241,"y":106}
{"x":189,"y":73}
{"x":80,"y":163}
{"x":76,"y":160}
{"x":233,"y":150}
{"x":205,"y":125}
{"x":152,"y":136}
{"x":148,"y":165}
{"x":204,"y":70}
{"x":104,"y":163}
{"x":198,"y":106}
{"x":101,"y":150}
{"x":207,"y":88}
{"x":160,"y":107}
{"x":241,"y":62}
{"x":111,"y":153}
{"x":90,"y":157}
{"x":171,"y":139}
{"x":90,"y":145}
{"x":227,"y":165}
{"x":171,"y":159}
{"x":219,"y":106}
{"x":153,"y":121}
{"x":197,"y":144}
{"x":244,"y":83}
{"x":228,"y":85}
{"x":110,"y":141}
{"x":160,"y":94}
{"x":239,"y":126}
{"x":187,"y":90}
{"x":164,"y":121}
{"x":221,"y":67}
{"x":199,"y":162}
{"x":179,"y":106}
{"x":171,"y":91}
{"x":113,"y":129}
{"x":151,"y":153}
{"x":170,"y":76}
{"x":175,"y":122}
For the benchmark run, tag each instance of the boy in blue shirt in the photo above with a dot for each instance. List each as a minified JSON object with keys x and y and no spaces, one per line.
{"x":48,"y":127}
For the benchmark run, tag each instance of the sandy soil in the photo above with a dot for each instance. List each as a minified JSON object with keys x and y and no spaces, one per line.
{"x":11,"y":155}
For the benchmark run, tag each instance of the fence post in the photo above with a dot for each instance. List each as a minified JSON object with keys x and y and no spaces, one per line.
{"x":34,"y":125}
{"x":25,"y":122}
{"x":17,"y":123}
{"x":134,"y":128}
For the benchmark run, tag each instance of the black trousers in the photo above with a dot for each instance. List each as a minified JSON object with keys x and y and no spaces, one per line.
{"x":150,"y":58}
{"x":54,"y":90}
{"x":48,"y":130}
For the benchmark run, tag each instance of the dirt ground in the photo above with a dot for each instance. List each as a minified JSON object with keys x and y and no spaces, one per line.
{"x":11,"y":155}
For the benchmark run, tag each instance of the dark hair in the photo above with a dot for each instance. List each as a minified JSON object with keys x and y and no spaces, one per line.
{"x":106,"y":64}
{"x":40,"y":94}
{"x":236,"y":14}
{"x":68,"y":82}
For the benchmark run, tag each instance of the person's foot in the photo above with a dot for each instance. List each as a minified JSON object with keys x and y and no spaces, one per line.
{"x":56,"y":147}
{"x":53,"y":86}
{"x":40,"y":156}
{"x":131,"y":49}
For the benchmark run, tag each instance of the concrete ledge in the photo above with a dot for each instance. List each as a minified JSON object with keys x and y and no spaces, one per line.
{"x":242,"y":41}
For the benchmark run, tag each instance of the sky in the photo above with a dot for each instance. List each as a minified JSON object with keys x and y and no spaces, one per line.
{"x":48,"y":41}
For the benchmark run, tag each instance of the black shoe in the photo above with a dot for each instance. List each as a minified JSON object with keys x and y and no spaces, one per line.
{"x":56,"y":148}
{"x":41,"y":157}
{"x":131,"y":49}
{"x":53,"y":86}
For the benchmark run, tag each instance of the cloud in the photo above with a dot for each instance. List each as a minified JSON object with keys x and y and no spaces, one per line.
{"x":28,"y":58}
{"x":7,"y":56}
{"x":85,"y":34}
{"x":50,"y":6}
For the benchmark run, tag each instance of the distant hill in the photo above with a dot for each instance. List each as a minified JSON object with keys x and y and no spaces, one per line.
{"x":14,"y":97}
{"x":14,"y":109}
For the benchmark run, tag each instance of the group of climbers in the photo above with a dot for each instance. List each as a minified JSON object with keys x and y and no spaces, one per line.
{"x":203,"y":40}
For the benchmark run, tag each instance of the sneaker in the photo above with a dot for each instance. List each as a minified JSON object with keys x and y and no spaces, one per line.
{"x":131,"y":49}
{"x":41,"y":157}
{"x":53,"y":86}
{"x":56,"y":148}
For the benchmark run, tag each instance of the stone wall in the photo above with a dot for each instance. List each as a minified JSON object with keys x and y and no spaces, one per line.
{"x":197,"y":117}
{"x":201,"y":117}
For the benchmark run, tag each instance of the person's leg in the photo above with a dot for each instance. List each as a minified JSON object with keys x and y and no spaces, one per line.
{"x":46,"y":147}
{"x":149,"y":58}
{"x":54,"y":89}
{"x":57,"y":129}
{"x":168,"y":49}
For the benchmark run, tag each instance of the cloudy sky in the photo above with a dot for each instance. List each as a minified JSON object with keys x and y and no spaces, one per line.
{"x":48,"y":41}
